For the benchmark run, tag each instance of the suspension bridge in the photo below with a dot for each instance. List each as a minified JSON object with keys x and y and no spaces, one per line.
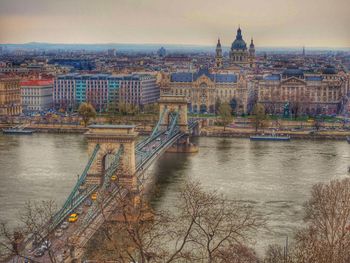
{"x":116,"y":166}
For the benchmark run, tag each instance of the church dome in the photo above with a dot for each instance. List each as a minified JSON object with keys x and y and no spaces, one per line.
{"x":239,"y":43}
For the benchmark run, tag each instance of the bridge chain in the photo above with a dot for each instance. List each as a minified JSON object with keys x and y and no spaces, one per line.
{"x":76,"y":196}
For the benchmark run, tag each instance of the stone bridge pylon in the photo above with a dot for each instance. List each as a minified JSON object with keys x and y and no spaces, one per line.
{"x":177,"y":104}
{"x":110,"y":138}
{"x":171,"y":104}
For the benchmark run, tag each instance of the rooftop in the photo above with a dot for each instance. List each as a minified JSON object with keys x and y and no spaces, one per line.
{"x":190,"y":76}
{"x":37,"y":82}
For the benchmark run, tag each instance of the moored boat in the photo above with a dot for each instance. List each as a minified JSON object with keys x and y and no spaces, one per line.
{"x":17,"y":131}
{"x":269,"y":138}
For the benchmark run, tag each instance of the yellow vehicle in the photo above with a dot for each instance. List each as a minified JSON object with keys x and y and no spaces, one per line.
{"x":94,"y":196}
{"x":113,"y":177}
{"x":72,"y":218}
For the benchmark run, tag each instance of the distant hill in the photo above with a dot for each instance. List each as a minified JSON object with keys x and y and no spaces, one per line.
{"x":148,"y":48}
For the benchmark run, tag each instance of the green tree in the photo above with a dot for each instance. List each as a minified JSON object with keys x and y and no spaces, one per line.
{"x":86,"y":111}
{"x":259,"y":115}
{"x":225,"y":114}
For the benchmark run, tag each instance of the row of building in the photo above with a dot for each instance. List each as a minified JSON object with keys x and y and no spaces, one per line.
{"x":311,"y":93}
{"x":322,"y":93}
{"x":67,"y":92}
{"x":101,"y":90}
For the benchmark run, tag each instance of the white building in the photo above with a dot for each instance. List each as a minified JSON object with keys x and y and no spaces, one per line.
{"x":36,"y":95}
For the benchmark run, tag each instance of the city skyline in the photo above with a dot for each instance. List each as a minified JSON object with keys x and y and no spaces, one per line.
{"x":271,"y":24}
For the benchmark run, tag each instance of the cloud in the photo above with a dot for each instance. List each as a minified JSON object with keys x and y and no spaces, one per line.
{"x":272,"y":22}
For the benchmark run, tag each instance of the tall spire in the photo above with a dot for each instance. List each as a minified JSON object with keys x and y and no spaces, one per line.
{"x":218,"y":57}
{"x":251,"y":43}
{"x":218,"y":44}
{"x":239,"y":33}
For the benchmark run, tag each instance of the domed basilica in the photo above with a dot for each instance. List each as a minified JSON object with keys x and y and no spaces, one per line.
{"x":239,"y":55}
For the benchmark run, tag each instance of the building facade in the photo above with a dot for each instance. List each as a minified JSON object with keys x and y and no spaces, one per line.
{"x":10,"y":97}
{"x":64,"y":92}
{"x":36,"y":95}
{"x":102,"y":90}
{"x":138,"y":90}
{"x":302,"y":93}
{"x":204,"y":90}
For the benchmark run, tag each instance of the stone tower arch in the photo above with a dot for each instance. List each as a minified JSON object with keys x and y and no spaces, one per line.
{"x":110,"y":138}
{"x":173,"y":103}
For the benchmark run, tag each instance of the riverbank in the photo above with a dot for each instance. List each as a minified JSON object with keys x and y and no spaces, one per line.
{"x":216,"y":131}
{"x":207,"y":131}
{"x":66,"y":128}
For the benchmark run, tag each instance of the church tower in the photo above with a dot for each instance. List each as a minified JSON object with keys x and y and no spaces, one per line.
{"x":251,"y":57}
{"x":218,"y":57}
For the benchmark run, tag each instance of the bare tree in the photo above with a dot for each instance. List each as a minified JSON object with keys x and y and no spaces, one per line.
{"x":35,"y":228}
{"x":204,"y":228}
{"x":220,"y":224}
{"x":326,"y":237}
{"x":236,"y":254}
{"x":318,"y":123}
{"x":274,"y":254}
{"x":259,"y":116}
{"x":300,"y":104}
{"x":10,"y":241}
{"x":225,"y":114}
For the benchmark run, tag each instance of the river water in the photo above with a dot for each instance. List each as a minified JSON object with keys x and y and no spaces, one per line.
{"x":274,"y":177}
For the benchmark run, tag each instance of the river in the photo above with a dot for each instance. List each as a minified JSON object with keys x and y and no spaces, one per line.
{"x":274,"y":177}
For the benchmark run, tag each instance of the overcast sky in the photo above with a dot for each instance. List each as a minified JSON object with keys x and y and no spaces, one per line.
{"x":289,"y":23}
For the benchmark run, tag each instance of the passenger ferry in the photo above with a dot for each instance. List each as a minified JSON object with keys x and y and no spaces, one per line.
{"x":18,"y":130}
{"x":272,"y":137}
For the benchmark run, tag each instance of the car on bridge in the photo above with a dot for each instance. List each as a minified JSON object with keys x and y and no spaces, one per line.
{"x":59,"y":232}
{"x":88,"y":202}
{"x":64,"y":225}
{"x":46,"y":245}
{"x":79,"y":210}
{"x":94,"y":196}
{"x":39,"y":252}
{"x":73,"y":218}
